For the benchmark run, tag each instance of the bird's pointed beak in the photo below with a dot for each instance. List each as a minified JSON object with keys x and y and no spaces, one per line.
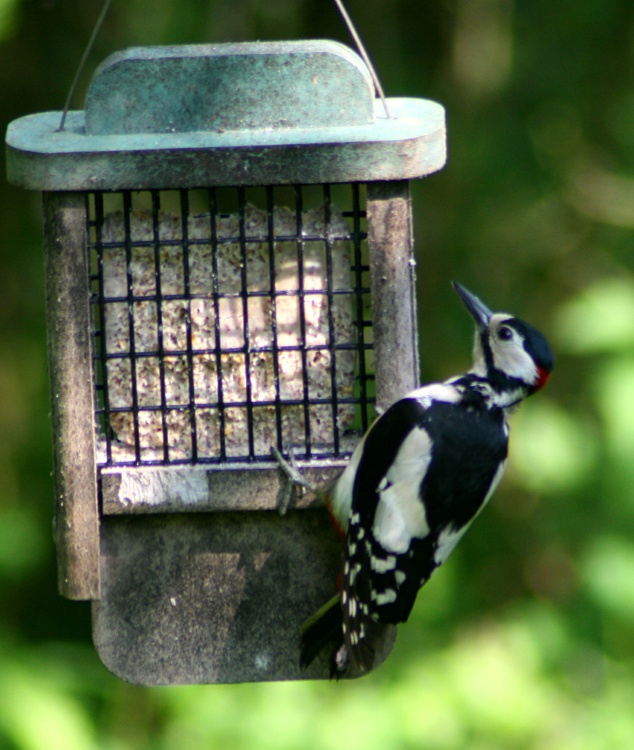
{"x":479,"y":311}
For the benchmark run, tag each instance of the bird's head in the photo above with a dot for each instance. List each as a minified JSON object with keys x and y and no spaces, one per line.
{"x":512,"y":355}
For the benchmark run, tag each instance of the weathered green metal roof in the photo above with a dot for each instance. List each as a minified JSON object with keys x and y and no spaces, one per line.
{"x":234,"y":114}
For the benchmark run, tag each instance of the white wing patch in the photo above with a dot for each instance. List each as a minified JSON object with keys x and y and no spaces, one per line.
{"x":427,"y":394}
{"x":400,"y":514}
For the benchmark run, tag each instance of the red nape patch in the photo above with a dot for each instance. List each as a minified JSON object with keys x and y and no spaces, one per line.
{"x":542,"y":378}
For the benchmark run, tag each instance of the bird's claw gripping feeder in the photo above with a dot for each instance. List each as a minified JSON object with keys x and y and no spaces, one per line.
{"x":229,"y":268}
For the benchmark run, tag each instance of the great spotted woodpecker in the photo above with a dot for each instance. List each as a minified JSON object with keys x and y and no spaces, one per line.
{"x":419,"y":477}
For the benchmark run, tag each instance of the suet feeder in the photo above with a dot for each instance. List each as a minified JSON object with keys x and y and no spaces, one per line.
{"x":229,"y":267}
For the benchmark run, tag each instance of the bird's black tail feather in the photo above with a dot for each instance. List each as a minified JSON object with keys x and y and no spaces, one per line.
{"x":321,"y":630}
{"x":325,"y":629}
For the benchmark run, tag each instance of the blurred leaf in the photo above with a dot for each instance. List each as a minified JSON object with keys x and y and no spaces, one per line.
{"x":551,"y":450}
{"x":607,"y":570}
{"x":600,"y":319}
{"x":22,"y":541}
{"x":8,"y":13}
{"x":36,"y":715}
{"x":614,"y":392}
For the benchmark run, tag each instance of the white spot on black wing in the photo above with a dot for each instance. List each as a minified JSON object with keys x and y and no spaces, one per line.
{"x":384,"y":597}
{"x":382,"y":564}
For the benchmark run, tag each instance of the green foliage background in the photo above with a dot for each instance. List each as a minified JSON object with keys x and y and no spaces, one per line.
{"x":525,"y":640}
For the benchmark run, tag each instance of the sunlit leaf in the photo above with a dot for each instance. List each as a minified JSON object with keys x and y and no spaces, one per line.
{"x":551,"y":449}
{"x":608,"y":573}
{"x":22,"y":542}
{"x":38,"y":716}
{"x":614,"y":389}
{"x":8,"y":12}
{"x":599,"y":319}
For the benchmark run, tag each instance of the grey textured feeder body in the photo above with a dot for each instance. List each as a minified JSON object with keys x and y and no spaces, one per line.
{"x":181,"y":342}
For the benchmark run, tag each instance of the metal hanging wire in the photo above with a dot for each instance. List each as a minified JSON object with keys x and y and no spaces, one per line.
{"x":340,"y":6}
{"x":82,"y":62}
{"x":364,"y":55}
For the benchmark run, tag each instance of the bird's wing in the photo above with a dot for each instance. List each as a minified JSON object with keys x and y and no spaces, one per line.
{"x":427,"y":469}
{"x":386,"y":516}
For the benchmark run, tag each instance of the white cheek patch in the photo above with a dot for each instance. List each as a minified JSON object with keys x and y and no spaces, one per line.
{"x":514,"y":361}
{"x":400,"y":514}
{"x":510,"y":356}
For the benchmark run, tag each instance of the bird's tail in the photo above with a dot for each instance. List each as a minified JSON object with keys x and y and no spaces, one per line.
{"x":325,"y":629}
{"x":321,"y":630}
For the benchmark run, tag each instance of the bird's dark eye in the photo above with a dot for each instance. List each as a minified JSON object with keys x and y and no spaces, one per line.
{"x":505,"y":333}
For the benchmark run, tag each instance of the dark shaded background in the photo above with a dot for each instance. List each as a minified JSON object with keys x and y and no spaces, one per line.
{"x":526,"y":638}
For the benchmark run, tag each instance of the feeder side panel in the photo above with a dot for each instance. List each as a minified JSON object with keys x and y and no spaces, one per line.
{"x":214,"y":597}
{"x":72,"y":407}
{"x":393,"y":285}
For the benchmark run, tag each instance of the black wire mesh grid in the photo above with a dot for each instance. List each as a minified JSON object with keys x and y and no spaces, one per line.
{"x":227,"y":320}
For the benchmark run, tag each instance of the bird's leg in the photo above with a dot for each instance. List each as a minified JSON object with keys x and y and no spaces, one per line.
{"x":294,"y":476}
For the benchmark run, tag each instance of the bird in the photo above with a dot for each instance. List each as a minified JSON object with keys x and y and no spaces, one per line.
{"x":416,"y":481}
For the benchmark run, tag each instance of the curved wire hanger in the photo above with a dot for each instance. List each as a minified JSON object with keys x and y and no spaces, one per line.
{"x":104,"y":12}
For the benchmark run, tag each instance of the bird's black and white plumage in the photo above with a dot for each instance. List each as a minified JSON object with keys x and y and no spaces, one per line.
{"x":419,"y":477}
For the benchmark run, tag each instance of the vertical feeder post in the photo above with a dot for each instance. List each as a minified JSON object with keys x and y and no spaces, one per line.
{"x":72,"y":394}
{"x":393,"y":285}
{"x":229,"y":263}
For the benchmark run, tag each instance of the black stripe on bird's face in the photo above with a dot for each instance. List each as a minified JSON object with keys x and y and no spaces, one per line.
{"x":516,"y":355}
{"x":538,"y":349}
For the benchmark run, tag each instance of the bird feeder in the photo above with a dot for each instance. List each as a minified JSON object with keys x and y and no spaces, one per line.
{"x":229,"y":268}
